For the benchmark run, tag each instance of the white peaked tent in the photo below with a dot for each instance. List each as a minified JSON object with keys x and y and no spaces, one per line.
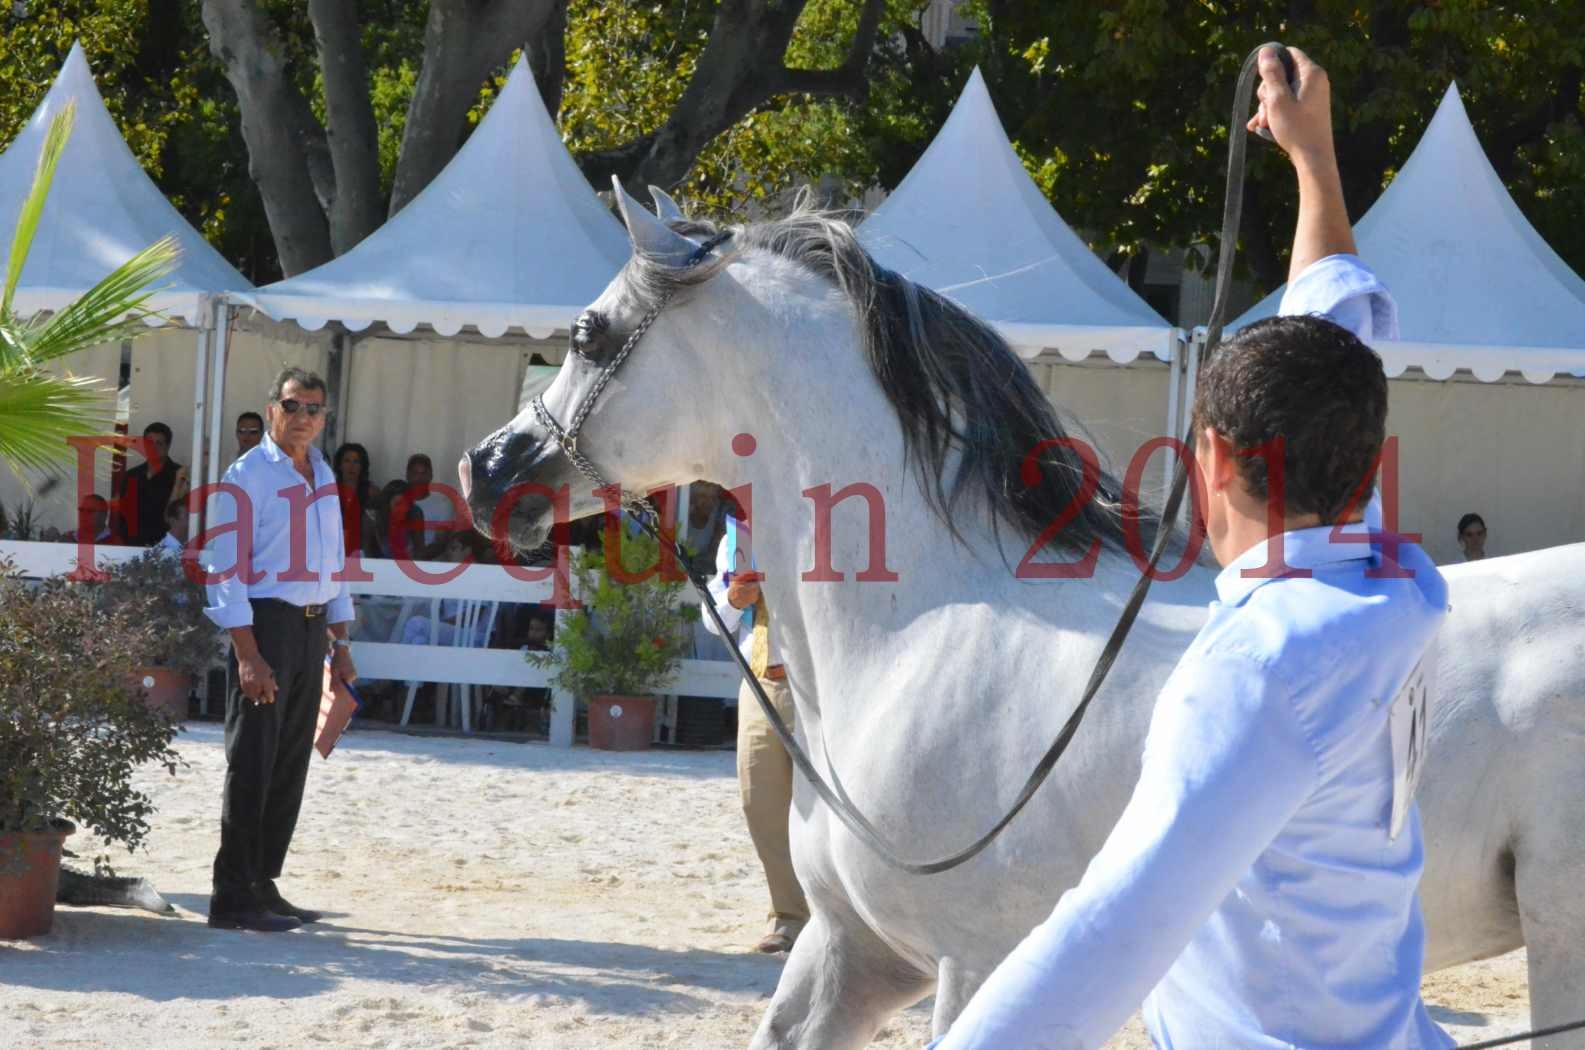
{"x":510,"y":234}
{"x":102,"y":210}
{"x":969,"y":222}
{"x":1477,"y":287}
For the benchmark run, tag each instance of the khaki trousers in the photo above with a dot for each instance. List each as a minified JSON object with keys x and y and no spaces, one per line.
{"x":765,"y":779}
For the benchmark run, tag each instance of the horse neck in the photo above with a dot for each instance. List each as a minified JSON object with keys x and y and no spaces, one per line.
{"x":822,"y":425}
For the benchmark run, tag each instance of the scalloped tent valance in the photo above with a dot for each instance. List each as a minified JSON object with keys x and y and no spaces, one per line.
{"x":102,"y":210}
{"x":508,"y":235}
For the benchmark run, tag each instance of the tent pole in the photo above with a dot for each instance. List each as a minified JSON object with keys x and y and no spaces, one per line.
{"x":217,"y":389}
{"x":1174,"y":363}
{"x":196,"y":471}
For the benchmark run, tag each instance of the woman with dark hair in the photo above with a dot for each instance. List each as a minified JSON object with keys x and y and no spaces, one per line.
{"x":351,"y":463}
{"x":1472,"y":537}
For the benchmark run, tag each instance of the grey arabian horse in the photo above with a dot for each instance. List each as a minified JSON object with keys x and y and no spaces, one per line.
{"x":883,"y":436}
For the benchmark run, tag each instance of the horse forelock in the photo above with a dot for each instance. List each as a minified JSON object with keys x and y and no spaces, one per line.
{"x":956,"y":385}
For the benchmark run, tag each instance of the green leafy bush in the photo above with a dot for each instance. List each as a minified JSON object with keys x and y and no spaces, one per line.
{"x":184,"y":638}
{"x":73,"y":726}
{"x":629,"y":638}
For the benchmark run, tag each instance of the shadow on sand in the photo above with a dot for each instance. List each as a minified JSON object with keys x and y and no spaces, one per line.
{"x":165,"y":958}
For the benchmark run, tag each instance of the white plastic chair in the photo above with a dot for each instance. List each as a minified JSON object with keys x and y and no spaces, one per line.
{"x":466,"y":634}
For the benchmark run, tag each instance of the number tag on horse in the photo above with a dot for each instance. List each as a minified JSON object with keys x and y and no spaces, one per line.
{"x":1411,"y":709}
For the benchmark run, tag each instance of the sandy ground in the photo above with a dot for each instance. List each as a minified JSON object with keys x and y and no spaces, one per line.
{"x":484,"y":894}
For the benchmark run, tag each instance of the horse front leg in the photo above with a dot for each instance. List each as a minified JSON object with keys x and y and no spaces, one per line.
{"x":839,"y":986}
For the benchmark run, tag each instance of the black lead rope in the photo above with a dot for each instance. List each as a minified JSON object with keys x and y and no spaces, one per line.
{"x":833,"y":795}
{"x":1509,"y":1040}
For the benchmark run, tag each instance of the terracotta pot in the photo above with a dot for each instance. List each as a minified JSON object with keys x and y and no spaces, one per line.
{"x":165,"y":690}
{"x":30,"y":872}
{"x":621,"y":723}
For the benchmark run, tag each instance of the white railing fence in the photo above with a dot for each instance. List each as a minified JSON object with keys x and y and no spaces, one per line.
{"x":477,"y":589}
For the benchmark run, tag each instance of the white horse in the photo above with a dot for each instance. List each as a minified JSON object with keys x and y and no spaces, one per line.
{"x":933,"y":691}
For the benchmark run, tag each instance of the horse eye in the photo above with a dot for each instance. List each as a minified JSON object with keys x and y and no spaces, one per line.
{"x":586,"y":332}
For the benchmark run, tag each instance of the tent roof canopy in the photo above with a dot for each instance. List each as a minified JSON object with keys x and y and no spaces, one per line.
{"x":509,"y":234}
{"x":969,"y":222}
{"x":102,"y":210}
{"x":1477,"y":287}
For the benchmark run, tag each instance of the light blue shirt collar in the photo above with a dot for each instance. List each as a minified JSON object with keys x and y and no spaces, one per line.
{"x":275,"y":454}
{"x":1301,"y":549}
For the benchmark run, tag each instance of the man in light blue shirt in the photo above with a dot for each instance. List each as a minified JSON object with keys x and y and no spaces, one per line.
{"x":1261,"y":888}
{"x":276,"y":586}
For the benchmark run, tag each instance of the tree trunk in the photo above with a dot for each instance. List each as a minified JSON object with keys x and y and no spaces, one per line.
{"x":354,"y":143}
{"x":464,"y":41}
{"x":278,"y":128}
{"x":740,"y":68}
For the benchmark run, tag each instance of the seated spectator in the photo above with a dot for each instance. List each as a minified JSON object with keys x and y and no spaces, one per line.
{"x":421,"y":630}
{"x":356,"y":491}
{"x":539,"y":633}
{"x":436,"y":504}
{"x":175,"y":538}
{"x":93,"y":521}
{"x":1472,"y":537}
{"x":390,"y":541}
{"x":148,"y":488}
{"x":250,"y":431}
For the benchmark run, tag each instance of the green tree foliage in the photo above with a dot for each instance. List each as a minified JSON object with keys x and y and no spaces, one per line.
{"x":628,"y":63}
{"x":1120,"y":109}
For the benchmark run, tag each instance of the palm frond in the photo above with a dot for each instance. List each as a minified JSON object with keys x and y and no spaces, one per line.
{"x":39,"y":411}
{"x":60,"y":130}
{"x":115,"y":308}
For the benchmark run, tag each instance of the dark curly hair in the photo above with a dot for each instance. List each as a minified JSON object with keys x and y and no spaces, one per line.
{"x":1312,"y":385}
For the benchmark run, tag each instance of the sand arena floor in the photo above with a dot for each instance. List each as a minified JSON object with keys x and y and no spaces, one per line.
{"x":483,"y":894}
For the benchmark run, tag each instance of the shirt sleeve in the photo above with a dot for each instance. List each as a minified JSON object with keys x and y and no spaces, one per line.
{"x":1344,"y":290}
{"x":1226,"y":765}
{"x":730,"y":615}
{"x":228,"y":599}
{"x":339,"y":608}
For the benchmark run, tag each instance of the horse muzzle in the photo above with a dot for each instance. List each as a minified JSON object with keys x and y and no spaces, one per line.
{"x":507,"y":482}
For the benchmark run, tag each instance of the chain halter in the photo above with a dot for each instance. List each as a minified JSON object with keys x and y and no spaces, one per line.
{"x":567,"y":437}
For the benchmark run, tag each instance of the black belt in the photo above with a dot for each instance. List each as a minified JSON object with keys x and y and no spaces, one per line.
{"x":310,"y":612}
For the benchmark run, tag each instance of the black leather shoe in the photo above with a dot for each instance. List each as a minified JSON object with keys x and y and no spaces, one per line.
{"x":259,"y":920}
{"x":281,"y":906}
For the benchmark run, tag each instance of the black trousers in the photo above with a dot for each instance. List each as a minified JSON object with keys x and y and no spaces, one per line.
{"x":268,"y":747}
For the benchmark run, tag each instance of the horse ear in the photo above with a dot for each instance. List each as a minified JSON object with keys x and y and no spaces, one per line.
{"x":651,"y":238}
{"x":665,"y":207}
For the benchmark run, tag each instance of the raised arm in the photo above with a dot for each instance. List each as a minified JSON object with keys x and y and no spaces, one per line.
{"x":1302,"y":126}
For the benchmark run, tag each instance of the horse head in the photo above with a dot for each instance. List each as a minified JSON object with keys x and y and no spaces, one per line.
{"x":613,"y":408}
{"x":848,"y":361}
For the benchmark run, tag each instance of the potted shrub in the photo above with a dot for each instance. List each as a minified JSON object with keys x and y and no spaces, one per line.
{"x":72,"y":730}
{"x":184,"y":641}
{"x":626,"y":641}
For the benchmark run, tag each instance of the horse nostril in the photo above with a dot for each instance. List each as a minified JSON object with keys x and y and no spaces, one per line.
{"x":516,"y":444}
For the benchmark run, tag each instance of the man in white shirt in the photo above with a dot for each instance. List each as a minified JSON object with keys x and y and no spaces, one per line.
{"x":275,"y":587}
{"x":1260,"y":889}
{"x":764,"y":769}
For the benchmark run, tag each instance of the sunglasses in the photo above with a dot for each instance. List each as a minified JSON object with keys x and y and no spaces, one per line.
{"x":291,"y":405}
